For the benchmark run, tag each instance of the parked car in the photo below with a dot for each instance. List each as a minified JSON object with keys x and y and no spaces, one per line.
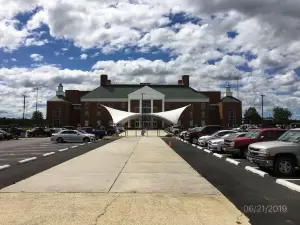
{"x":183,"y":133}
{"x":72,"y":136}
{"x":39,"y":131}
{"x":98,"y":133}
{"x":7,"y":135}
{"x":193,"y":135}
{"x":202,"y":141}
{"x":217,"y":144}
{"x":281,"y":156}
{"x":239,"y":146}
{"x":2,"y":136}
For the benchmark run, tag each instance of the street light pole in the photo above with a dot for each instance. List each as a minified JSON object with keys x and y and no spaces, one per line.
{"x":36,"y":100}
{"x":262,"y":109}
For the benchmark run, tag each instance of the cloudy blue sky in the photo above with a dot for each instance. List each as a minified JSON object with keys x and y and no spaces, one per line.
{"x":45,"y":42}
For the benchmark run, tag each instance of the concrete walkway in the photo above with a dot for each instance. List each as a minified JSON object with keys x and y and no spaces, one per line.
{"x":142,"y":180}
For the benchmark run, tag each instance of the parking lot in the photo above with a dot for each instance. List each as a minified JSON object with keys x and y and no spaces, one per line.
{"x":292,"y":183}
{"x":20,"y":151}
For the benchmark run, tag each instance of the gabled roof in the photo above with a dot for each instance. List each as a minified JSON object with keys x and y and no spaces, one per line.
{"x":230,"y":99}
{"x":122,"y":91}
{"x":58,"y":99}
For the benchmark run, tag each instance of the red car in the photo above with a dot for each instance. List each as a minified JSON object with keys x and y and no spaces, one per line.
{"x":239,"y":146}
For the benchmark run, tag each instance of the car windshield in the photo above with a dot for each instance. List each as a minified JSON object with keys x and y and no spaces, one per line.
{"x":253,"y":134}
{"x":290,"y":136}
{"x":233,"y":135}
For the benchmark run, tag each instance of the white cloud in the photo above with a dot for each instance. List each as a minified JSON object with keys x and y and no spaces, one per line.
{"x":36,"y":57}
{"x":71,"y":58}
{"x":83,"y":56}
{"x":13,"y":59}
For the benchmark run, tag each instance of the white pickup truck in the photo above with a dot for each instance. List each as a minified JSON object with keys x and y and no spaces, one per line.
{"x":281,"y":156}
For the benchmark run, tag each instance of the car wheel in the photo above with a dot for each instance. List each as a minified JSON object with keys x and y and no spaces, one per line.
{"x":245,"y":152}
{"x":59,"y":140}
{"x":86,"y":140}
{"x":284,"y":166}
{"x":195,"y":141}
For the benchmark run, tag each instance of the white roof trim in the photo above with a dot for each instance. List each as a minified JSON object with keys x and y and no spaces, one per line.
{"x":126,"y":100}
{"x":120,"y":116}
{"x":148,"y":93}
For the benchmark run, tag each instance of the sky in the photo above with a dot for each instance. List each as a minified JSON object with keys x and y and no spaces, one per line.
{"x":44,"y":43}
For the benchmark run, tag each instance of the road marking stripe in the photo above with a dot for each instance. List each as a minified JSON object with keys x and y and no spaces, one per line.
{"x":82,"y":144}
{"x":4,"y":167}
{"x":49,"y":153}
{"x":253,"y":170}
{"x":288,"y":184}
{"x":232,"y":161}
{"x":206,"y":150}
{"x":89,"y":142}
{"x":75,"y":146}
{"x":193,"y":145}
{"x":218,"y":155}
{"x":199,"y":147}
{"x":27,"y":160}
{"x":62,"y":150}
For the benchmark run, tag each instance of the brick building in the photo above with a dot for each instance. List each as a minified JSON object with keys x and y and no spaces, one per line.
{"x":73,"y":107}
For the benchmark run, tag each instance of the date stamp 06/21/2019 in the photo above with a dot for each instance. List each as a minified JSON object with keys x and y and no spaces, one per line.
{"x":265,"y":208}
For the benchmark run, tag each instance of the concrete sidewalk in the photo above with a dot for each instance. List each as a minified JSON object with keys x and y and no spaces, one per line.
{"x":142,"y":180}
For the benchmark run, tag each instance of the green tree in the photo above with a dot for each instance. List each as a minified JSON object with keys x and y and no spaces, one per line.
{"x":37,"y":116}
{"x":281,"y":115}
{"x":251,"y":116}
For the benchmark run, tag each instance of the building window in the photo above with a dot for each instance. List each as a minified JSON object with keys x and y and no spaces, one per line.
{"x":202,"y":105}
{"x":87,"y":105}
{"x":203,"y":123}
{"x":191,"y":107}
{"x":99,"y":122}
{"x":76,"y":107}
{"x":86,"y":113}
{"x":231,"y":118}
{"x":99,"y":105}
{"x":110,"y":105}
{"x":191,"y":123}
{"x":203,"y":115}
{"x":110,"y":123}
{"x":86,"y":123}
{"x":56,"y":117}
{"x":123,"y":105}
{"x":191,"y":114}
{"x":99,"y":113}
{"x":167,"y":106}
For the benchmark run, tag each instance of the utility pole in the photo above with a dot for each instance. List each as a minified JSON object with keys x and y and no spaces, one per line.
{"x":24,"y":103}
{"x":36,"y":101}
{"x":262,"y":109}
{"x":142,"y":125}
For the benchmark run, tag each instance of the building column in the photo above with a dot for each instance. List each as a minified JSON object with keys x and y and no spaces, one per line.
{"x":129,"y":109}
{"x":151,"y":112}
{"x":163,"y":109}
{"x":141,"y":104}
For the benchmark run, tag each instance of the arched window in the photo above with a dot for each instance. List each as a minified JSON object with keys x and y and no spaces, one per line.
{"x":203,"y":115}
{"x":231,"y":117}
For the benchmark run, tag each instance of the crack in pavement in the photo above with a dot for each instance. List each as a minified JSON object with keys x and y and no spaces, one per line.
{"x":105,"y":209}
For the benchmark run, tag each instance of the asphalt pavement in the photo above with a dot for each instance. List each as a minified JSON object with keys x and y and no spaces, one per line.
{"x":261,"y":199}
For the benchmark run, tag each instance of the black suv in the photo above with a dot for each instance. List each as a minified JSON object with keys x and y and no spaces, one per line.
{"x":193,"y":135}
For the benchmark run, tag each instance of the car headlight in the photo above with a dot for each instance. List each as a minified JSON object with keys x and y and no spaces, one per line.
{"x":232,"y":144}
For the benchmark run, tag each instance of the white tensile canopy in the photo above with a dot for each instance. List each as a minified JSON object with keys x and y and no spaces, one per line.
{"x":120,"y":116}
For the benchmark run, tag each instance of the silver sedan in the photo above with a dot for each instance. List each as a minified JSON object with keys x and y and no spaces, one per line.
{"x":72,"y":136}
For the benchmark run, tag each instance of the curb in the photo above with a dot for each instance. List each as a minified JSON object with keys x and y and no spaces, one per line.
{"x":256,"y":171}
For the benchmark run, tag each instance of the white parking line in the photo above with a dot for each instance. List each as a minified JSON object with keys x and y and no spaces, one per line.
{"x":288,"y":184}
{"x":199,"y":147}
{"x":82,"y":144}
{"x":75,"y":146}
{"x":28,"y":160}
{"x":62,"y":150}
{"x":193,"y":145}
{"x":256,"y":171}
{"x":49,"y":153}
{"x":4,"y":167}
{"x":233,"y":161}
{"x":218,"y":155}
{"x":206,"y":150}
{"x":89,"y":142}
